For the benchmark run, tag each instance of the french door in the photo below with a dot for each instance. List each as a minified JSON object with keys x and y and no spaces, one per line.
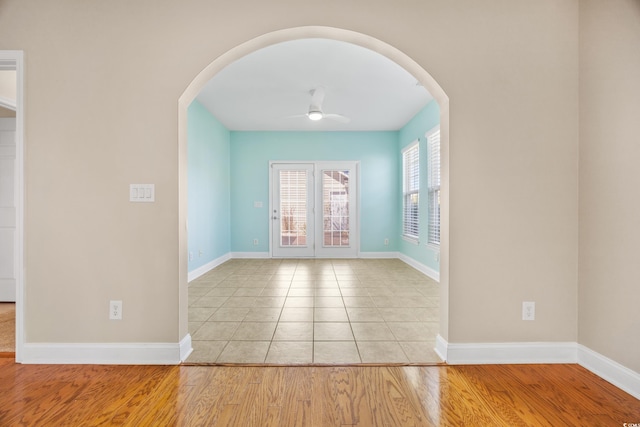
{"x":314,"y":210}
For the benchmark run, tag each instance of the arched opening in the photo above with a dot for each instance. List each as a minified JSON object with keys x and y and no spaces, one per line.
{"x":303,"y":33}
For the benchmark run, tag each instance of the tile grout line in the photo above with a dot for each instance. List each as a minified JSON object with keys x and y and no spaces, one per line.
{"x":349,"y":319}
{"x":252,"y":271}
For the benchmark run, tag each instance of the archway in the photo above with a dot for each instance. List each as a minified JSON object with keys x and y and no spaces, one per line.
{"x":269,"y":39}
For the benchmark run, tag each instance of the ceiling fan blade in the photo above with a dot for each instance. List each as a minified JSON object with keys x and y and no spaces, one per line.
{"x":337,"y":117}
{"x":317,"y":98}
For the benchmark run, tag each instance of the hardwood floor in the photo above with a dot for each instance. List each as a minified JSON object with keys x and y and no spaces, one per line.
{"x":504,"y":395}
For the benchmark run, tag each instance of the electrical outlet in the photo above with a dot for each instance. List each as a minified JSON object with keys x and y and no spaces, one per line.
{"x":190,"y":256}
{"x":255,"y":242}
{"x":528,"y":310}
{"x":386,"y":242}
{"x":200,"y":253}
{"x":115,"y":310}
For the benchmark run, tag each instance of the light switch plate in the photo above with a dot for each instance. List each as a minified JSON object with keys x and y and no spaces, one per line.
{"x":142,"y":193}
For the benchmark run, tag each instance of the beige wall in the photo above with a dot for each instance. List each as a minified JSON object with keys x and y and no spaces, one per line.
{"x":609,"y":179}
{"x":509,"y":68}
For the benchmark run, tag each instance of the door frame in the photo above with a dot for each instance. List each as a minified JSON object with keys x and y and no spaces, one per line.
{"x":14,"y":60}
{"x":317,"y":165}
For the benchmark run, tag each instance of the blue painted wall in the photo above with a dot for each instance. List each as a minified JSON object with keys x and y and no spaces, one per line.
{"x":378,"y":156}
{"x":209,"y":186}
{"x":416,"y":128}
{"x":229,"y":171}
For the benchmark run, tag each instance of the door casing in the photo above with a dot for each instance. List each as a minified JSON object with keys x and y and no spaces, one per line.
{"x":14,"y":60}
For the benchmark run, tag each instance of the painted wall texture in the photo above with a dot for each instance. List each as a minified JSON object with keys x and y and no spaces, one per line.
{"x":609,"y":152}
{"x":510,"y":70}
{"x":415,"y":129}
{"x":235,"y":165}
{"x":376,"y":151}
{"x":209,"y":187}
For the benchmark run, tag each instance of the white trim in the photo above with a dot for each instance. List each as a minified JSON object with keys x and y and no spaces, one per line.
{"x":609,"y":370}
{"x":431,"y":189}
{"x":435,"y":275}
{"x":378,"y":255}
{"x":185,"y":347}
{"x":541,"y":352}
{"x":194,"y":274}
{"x":14,"y":59}
{"x":441,"y":347}
{"x":250,"y":255}
{"x":511,"y":353}
{"x":9,"y":104}
{"x":411,"y":239}
{"x":106,"y":353}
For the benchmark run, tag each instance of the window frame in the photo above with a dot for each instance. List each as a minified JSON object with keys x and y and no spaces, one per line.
{"x":411,"y":189}
{"x":434,"y":180}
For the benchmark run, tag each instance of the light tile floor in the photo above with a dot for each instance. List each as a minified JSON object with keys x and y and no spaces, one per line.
{"x":313,"y":311}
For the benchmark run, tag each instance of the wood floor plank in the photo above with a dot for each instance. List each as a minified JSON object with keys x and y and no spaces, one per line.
{"x":517,"y":408}
{"x":296,"y":397}
{"x":301,"y":415}
{"x":504,"y":395}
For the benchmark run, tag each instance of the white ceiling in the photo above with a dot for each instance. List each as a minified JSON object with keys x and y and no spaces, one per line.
{"x":262,"y":90}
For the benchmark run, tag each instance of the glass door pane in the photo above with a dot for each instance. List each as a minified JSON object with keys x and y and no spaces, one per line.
{"x":335,"y":208}
{"x":293,"y":207}
{"x":292,"y":210}
{"x":337,"y":212}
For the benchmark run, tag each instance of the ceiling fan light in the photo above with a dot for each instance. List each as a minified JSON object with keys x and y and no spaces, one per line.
{"x":315,"y":115}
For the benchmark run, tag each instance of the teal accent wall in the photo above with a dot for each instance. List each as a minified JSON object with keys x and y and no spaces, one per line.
{"x":209,"y":187}
{"x":421,"y":123}
{"x":378,"y":156}
{"x":229,"y":171}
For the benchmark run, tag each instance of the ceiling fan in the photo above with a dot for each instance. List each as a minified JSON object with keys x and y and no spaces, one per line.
{"x":315,"y":108}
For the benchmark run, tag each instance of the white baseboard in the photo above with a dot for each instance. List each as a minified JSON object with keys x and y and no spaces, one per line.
{"x":536,"y":353}
{"x":106,"y":353}
{"x":379,"y":255}
{"x":435,"y":275}
{"x":510,"y":353}
{"x":185,"y":347}
{"x":441,"y":347}
{"x":249,"y":255}
{"x":618,"y":375}
{"x":193,"y":275}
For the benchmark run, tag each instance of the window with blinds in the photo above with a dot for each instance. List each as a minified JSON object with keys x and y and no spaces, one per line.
{"x":433,"y":154}
{"x":411,"y":191}
{"x":293,"y":208}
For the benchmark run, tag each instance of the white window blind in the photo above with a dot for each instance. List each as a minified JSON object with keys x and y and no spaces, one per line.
{"x":433,"y":144}
{"x":411,"y":191}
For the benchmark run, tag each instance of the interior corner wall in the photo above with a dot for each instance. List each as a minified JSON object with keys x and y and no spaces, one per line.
{"x":250,"y":156}
{"x":426,"y":119}
{"x":209,"y":187}
{"x":609,"y":273}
